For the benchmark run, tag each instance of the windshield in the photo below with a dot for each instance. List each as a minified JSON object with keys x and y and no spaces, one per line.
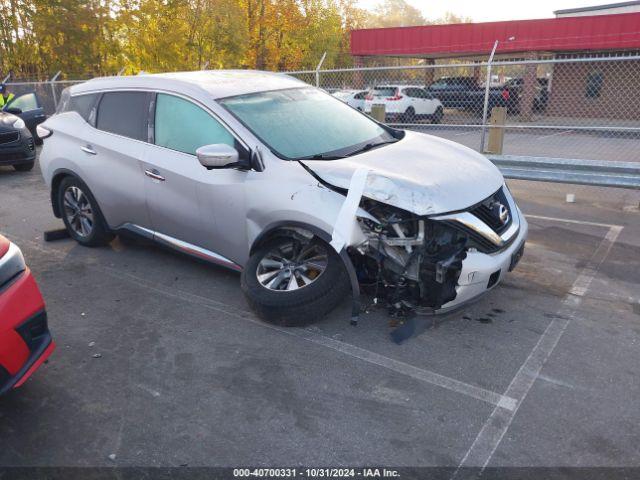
{"x":306,"y":123}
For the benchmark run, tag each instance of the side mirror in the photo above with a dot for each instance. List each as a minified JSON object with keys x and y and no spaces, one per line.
{"x":13,"y":110}
{"x":217,"y":155}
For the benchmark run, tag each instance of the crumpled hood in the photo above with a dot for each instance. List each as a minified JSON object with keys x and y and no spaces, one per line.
{"x":422,"y":174}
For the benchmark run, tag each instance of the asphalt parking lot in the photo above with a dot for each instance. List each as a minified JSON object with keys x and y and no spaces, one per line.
{"x":540,"y":372}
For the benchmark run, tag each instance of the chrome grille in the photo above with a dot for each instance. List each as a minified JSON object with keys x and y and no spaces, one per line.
{"x":488,"y":211}
{"x":482,"y":223}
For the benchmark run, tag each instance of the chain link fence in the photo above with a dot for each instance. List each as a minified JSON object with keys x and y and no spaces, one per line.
{"x":586,"y":108}
{"x":566,"y":108}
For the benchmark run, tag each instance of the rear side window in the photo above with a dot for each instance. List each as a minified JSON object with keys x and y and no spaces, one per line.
{"x":63,"y":104}
{"x":384,"y":91}
{"x":124,"y":113}
{"x":183,"y":126}
{"x":415,"y":92}
{"x":83,"y":104}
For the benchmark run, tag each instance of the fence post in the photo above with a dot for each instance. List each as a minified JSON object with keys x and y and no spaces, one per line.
{"x":324,"y":55}
{"x":53,"y":89}
{"x":486,"y":97}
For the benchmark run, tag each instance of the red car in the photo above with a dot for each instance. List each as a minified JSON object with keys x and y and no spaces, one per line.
{"x":25,"y":341}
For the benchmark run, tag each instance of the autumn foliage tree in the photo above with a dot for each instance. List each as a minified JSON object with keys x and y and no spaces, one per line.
{"x":84,"y":38}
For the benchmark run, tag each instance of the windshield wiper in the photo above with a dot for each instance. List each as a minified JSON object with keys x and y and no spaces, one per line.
{"x":322,"y":156}
{"x":369,"y":146}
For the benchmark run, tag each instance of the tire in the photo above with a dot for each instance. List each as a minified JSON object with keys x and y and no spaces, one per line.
{"x":24,"y":167}
{"x":305,"y":304}
{"x":437,"y":115}
{"x":409,"y":115}
{"x":76,"y":203}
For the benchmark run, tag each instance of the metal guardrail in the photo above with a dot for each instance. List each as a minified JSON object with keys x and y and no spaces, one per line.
{"x":563,"y":170}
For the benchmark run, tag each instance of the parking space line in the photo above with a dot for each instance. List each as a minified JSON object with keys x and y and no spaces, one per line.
{"x":570,"y":220}
{"x":493,"y":398}
{"x":503,"y":401}
{"x":368,"y":356}
{"x":494,"y":429}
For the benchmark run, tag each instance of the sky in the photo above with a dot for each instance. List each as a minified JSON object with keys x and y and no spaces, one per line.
{"x":493,"y":10}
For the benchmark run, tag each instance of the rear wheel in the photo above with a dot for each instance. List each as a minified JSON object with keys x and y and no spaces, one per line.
{"x":293,"y":281}
{"x":81,"y":213}
{"x":409,"y":115}
{"x":24,"y":167}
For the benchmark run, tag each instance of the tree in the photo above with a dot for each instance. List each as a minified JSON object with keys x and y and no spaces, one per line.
{"x":92,"y":37}
{"x":396,"y":13}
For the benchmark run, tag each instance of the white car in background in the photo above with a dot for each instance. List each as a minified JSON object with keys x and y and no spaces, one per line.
{"x":353,"y":98}
{"x":405,"y":103}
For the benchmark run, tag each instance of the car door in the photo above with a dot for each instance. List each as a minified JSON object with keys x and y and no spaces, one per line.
{"x":429,"y":104}
{"x":111,"y":151}
{"x":458,"y":94}
{"x":442,"y":90}
{"x":412,"y":100}
{"x":185,"y":199}
{"x":31,"y":110}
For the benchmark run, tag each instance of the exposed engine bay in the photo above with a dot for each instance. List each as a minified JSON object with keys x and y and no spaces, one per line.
{"x":408,"y":261}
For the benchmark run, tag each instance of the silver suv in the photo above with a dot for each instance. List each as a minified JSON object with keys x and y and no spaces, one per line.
{"x":304,"y":195}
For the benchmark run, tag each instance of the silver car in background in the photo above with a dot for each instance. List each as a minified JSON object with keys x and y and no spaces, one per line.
{"x":353,"y":98}
{"x":306,"y":197}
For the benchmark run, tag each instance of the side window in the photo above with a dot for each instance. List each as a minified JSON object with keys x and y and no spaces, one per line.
{"x":83,"y":104}
{"x":124,"y":113}
{"x":360,"y":96}
{"x":26,"y":102}
{"x":414,"y":92}
{"x":183,"y":126}
{"x":63,"y":104}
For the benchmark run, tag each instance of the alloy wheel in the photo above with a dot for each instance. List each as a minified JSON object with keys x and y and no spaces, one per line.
{"x":78,"y":211}
{"x":292,"y":266}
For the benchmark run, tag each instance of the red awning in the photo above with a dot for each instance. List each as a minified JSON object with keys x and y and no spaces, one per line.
{"x":599,"y":32}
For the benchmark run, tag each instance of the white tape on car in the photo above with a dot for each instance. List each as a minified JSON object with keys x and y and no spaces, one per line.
{"x":346,"y":218}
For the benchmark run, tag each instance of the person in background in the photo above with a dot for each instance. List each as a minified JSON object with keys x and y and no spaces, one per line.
{"x":5,"y":95}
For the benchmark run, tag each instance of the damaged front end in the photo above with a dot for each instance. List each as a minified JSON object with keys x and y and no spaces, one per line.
{"x":408,"y":261}
{"x":417,"y":263}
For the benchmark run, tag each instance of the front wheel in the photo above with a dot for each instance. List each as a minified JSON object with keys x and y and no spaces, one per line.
{"x":437,"y":115}
{"x":293,"y":281}
{"x":81,"y":213}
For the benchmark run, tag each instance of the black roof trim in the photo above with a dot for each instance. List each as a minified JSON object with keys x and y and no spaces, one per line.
{"x":595,"y":8}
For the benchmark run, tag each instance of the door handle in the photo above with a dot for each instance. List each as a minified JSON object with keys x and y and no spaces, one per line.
{"x":88,"y":149}
{"x":155,"y":174}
